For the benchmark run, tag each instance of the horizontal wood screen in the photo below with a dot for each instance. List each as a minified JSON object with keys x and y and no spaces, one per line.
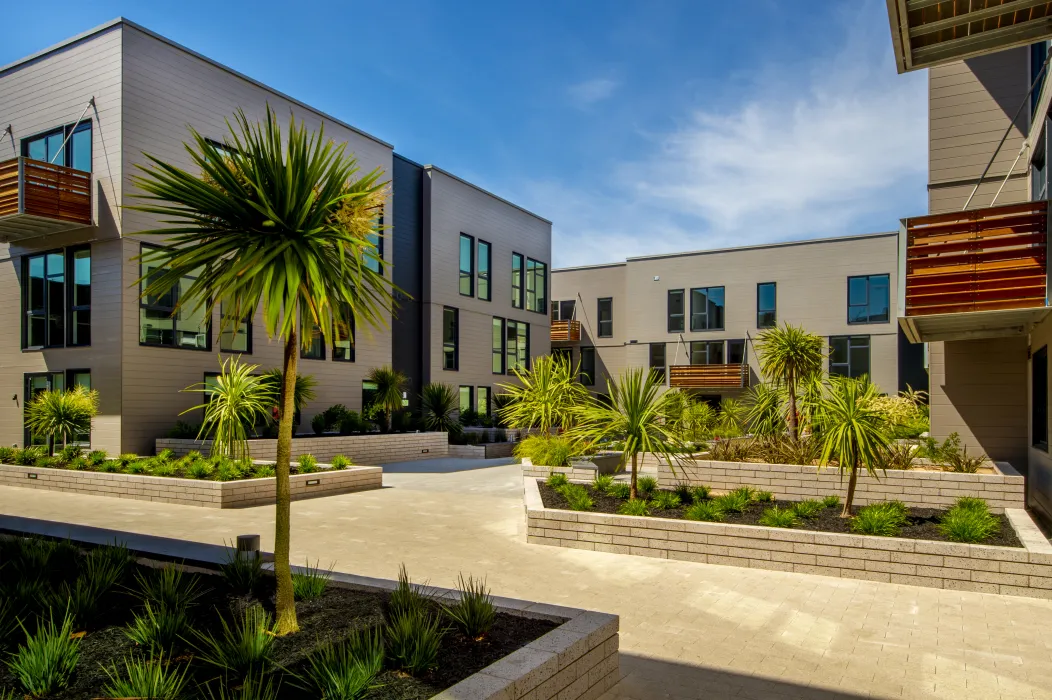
{"x":47,"y":190}
{"x":566,"y":331}
{"x":981,"y":260}
{"x":709,"y":376}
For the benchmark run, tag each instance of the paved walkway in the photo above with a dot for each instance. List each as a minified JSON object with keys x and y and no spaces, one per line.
{"x":687,"y":630}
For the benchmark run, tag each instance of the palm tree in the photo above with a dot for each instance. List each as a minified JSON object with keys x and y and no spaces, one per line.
{"x":788,"y":356}
{"x":233,"y":404}
{"x":438,"y":403}
{"x":301,"y":393}
{"x":62,"y":414}
{"x":765,"y":410}
{"x":853,"y":430}
{"x":634,"y":413}
{"x":390,"y":385}
{"x":283,"y":221}
{"x":545,"y":396}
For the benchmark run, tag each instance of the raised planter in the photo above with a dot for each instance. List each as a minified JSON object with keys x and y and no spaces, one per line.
{"x":916,"y":488}
{"x":362,"y":449}
{"x":1025,"y":571}
{"x":191,"y":492}
{"x":583,"y":469}
{"x":489,"y":450}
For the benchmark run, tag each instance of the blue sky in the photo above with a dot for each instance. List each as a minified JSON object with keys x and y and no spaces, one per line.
{"x":636,"y":128}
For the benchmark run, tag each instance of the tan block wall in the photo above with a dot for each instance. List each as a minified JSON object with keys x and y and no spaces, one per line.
{"x":361,"y":449}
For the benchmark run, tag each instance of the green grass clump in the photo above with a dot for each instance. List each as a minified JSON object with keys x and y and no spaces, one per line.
{"x":169,"y":587}
{"x":683,"y":490}
{"x":110,"y":466}
{"x":27,"y":456}
{"x":158,"y":468}
{"x":556,"y":479}
{"x":307,"y":464}
{"x":699,"y":493}
{"x":602,"y":482}
{"x":140,"y":466}
{"x":831,"y":501}
{"x":7,"y":455}
{"x":646,"y":486}
{"x":473,"y":613}
{"x":199,"y":470}
{"x":263,"y":471}
{"x":763,"y":497}
{"x":880,"y":519}
{"x":341,"y":462}
{"x":126,"y":458}
{"x":158,"y":630}
{"x":635,"y":506}
{"x":665,"y":500}
{"x":413,"y":640}
{"x":153,"y":678}
{"x":745,"y":492}
{"x":778,"y":517}
{"x":621,"y":490}
{"x":576,"y":497}
{"x":243,"y":648}
{"x":242,"y":571}
{"x":256,"y":686}
{"x":96,"y":457}
{"x":808,"y":508}
{"x":406,"y":598}
{"x":969,"y":520}
{"x":734,"y":502}
{"x":344,"y":670}
{"x":310,"y":584}
{"x":706,"y":511}
{"x":45,"y":663}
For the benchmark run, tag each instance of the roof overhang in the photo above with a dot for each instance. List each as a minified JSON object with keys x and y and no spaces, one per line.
{"x":927,"y":33}
{"x":971,"y":325}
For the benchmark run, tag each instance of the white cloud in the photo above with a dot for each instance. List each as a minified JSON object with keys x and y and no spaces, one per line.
{"x":589,"y":92}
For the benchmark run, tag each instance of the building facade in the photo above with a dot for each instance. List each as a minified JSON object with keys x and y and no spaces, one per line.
{"x":694,"y":316}
{"x":81,"y":115}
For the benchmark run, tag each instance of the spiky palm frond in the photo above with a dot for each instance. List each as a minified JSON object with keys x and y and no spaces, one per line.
{"x":789,"y":356}
{"x":545,"y":397}
{"x":438,"y":404}
{"x":62,"y":414}
{"x":234,"y":401}
{"x":390,"y":385}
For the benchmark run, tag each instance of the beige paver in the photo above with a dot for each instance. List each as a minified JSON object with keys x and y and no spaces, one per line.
{"x":687,"y":630}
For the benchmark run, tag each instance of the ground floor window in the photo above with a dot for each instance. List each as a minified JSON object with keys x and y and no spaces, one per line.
{"x":1039,"y":399}
{"x":587,"y":369}
{"x":849,"y":355}
{"x":450,"y":338}
{"x":465,"y":399}
{"x":482,"y":403}
{"x":657,"y":361}
{"x":38,"y":382}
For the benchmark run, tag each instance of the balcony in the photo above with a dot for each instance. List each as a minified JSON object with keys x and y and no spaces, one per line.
{"x":708,"y":376}
{"x":566,"y":331}
{"x":38,"y":198}
{"x":974,"y":274}
{"x":927,"y":33}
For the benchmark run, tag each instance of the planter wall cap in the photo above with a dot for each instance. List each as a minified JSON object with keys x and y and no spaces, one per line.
{"x":478,"y":687}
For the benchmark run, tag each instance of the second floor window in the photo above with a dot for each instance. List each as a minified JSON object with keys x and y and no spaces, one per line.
{"x":868,"y":299}
{"x":235,"y":335}
{"x":518,"y":265}
{"x":54,"y":147}
{"x":312,"y":346}
{"x":343,"y":335}
{"x":587,"y":370}
{"x":735,"y":352}
{"x":675,"y":311}
{"x":563,"y":310}
{"x":467,"y":265}
{"x":766,"y":305}
{"x":606,"y":318}
{"x":450,"y":338}
{"x":374,"y":258}
{"x":497,"y":349}
{"x":536,"y":286}
{"x":56,"y":299}
{"x":849,"y":355}
{"x":706,"y":309}
{"x":517,"y":345}
{"x":484,"y":255}
{"x":706,"y":352}
{"x":170,"y":319}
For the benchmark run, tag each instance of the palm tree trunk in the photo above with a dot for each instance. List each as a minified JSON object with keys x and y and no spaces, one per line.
{"x":851,"y":482}
{"x":285,"y":600}
{"x":632,"y":494}
{"x":793,"y":428}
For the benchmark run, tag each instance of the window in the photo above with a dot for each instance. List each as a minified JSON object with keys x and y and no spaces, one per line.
{"x":54,"y":147}
{"x":467,"y":265}
{"x":606,"y":318}
{"x":234,"y":335}
{"x":484,"y":256}
{"x":465,"y":399}
{"x":1038,"y":171}
{"x":56,"y":314}
{"x":517,"y":265}
{"x":587,"y":370}
{"x":766,"y":305}
{"x":563,"y":354}
{"x":536,"y":286}
{"x":369,"y":390}
{"x":1039,"y":399}
{"x":36,"y":384}
{"x":706,"y":352}
{"x":657,"y":360}
{"x":482,"y":400}
{"x":163,"y":321}
{"x":849,"y":355}
{"x":735,"y":352}
{"x":563,"y":310}
{"x":343,"y":335}
{"x":706,"y":309}
{"x":498,"y":346}
{"x":313,"y":345}
{"x":868,"y":299}
{"x":450,"y":338}
{"x":75,"y":378}
{"x":517,"y":345}
{"x":1038,"y":54}
{"x":675,"y":311}
{"x":374,"y":261}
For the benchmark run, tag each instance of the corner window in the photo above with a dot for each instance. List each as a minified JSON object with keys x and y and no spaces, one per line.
{"x":235,"y":335}
{"x":849,"y":355}
{"x":484,"y":255}
{"x":606,"y":318}
{"x":467,"y":265}
{"x":343,"y":335}
{"x":766,"y":305}
{"x":482,"y":400}
{"x":518,"y":264}
{"x":171,"y":319}
{"x":498,"y":346}
{"x":868,"y":299}
{"x":517,"y":345}
{"x":56,"y":299}
{"x":706,"y":352}
{"x":1039,"y":399}
{"x":706,"y":309}
{"x":450,"y":338}
{"x":313,"y":344}
{"x":54,"y":146}
{"x":675,"y":311}
{"x":536,"y":286}
{"x":465,"y":399}
{"x":657,"y":361}
{"x":587,"y":370}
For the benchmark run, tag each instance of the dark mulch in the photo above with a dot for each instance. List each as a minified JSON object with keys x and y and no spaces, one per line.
{"x":329,"y":618}
{"x":922,"y":523}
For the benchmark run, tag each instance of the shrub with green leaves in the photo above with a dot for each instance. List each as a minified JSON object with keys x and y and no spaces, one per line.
{"x":602,"y":482}
{"x":341,"y":462}
{"x":635,"y":506}
{"x":244,"y":647}
{"x":27,"y":456}
{"x":734,"y":502}
{"x":880,"y":519}
{"x":263,"y":471}
{"x":169,"y":587}
{"x":665,"y":500}
{"x":242,"y":571}
{"x":199,"y":470}
{"x":157,"y":468}
{"x":110,"y":466}
{"x":646,"y":486}
{"x":808,"y":509}
{"x":344,"y":670}
{"x":699,"y":493}
{"x":153,"y":677}
{"x":126,"y":458}
{"x":255,"y":686}
{"x":139,"y":466}
{"x":96,"y":457}
{"x":158,"y":629}
{"x":70,"y":453}
{"x":763,"y":497}
{"x":778,"y":517}
{"x":745,"y":492}
{"x":576,"y":496}
{"x":45,"y":663}
{"x":311,"y":582}
{"x":307,"y":464}
{"x":556,"y":479}
{"x":706,"y":511}
{"x":620,"y":489}
{"x":969,"y":520}
{"x":413,"y":639}
{"x":407,"y":598}
{"x":684,"y":491}
{"x":473,"y":613}
{"x":545,"y":450}
{"x":831,"y":501}
{"x":7,"y":455}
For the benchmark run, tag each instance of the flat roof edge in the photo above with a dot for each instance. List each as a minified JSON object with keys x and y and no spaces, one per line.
{"x":597,"y":266}
{"x":485,"y":191}
{"x":764,"y":246}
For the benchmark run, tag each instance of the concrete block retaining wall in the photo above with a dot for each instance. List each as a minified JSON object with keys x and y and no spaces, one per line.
{"x":362,"y":449}
{"x":490,"y":450}
{"x":572,"y":473}
{"x":1022,"y":571}
{"x":190,"y":492}
{"x":919,"y":489}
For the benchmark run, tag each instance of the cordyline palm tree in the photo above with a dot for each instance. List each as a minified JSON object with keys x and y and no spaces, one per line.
{"x":61,"y":414}
{"x":545,"y":397}
{"x":789,"y":356}
{"x":233,"y":404}
{"x":634,"y":413}
{"x":853,"y":430}
{"x":438,"y":404}
{"x":390,"y":384}
{"x":278,"y":220}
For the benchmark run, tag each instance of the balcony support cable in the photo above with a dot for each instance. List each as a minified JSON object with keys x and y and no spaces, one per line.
{"x":62,"y":148}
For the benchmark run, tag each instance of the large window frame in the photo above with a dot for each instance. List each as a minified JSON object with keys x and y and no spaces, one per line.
{"x":536,"y":286}
{"x":343,"y":334}
{"x":676,"y":319}
{"x":586,"y":368}
{"x":171,"y":305}
{"x":230,"y":328}
{"x":1039,"y":399}
{"x":450,"y":339}
{"x":703,"y":320}
{"x":467,"y":276}
{"x":605,"y":326}
{"x":483,"y":268}
{"x":69,"y":317}
{"x":860,"y":312}
{"x":75,"y":142}
{"x":518,"y":282}
{"x":701,"y":352}
{"x":497,"y":346}
{"x":658,"y":359}
{"x":53,"y":381}
{"x":563,"y":310}
{"x":316,"y":349}
{"x":842,"y":359}
{"x":516,"y":345}
{"x":483,"y":404}
{"x":766,"y":313}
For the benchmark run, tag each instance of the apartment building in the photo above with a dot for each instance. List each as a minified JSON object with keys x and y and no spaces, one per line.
{"x":77,"y":118}
{"x":693,"y":317}
{"x":973,"y":272}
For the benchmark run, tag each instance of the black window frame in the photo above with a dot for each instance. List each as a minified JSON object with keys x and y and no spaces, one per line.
{"x":336,"y":337}
{"x":557,"y":309}
{"x":143,"y":247}
{"x":1039,"y":399}
{"x":484,"y":276}
{"x":498,"y":347}
{"x":599,"y":317}
{"x":540,"y":293}
{"x":508,"y":325}
{"x":27,"y":398}
{"x":869,"y":279}
{"x":483,"y":408}
{"x":760,"y":310}
{"x":320,"y":341}
{"x":744,"y":350}
{"x":460,"y":398}
{"x":455,"y":342}
{"x":247,"y":320}
{"x":67,"y":131}
{"x":468,"y":275}
{"x":518,"y":290}
{"x":663,"y":366}
{"x":586,"y":368}
{"x":693,"y":313}
{"x":849,"y":339}
{"x":69,"y":294}
{"x":377,"y":239}
{"x":681,"y":316}
{"x":708,"y":345}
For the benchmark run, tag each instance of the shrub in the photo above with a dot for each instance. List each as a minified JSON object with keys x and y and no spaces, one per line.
{"x":699,"y":493}
{"x":545,"y":450}
{"x":413,"y":640}
{"x":46,"y":661}
{"x":556,"y":479}
{"x":110,"y":466}
{"x":33,"y":557}
{"x":780,"y":449}
{"x":241,"y":648}
{"x":140,"y":466}
{"x":963,"y":463}
{"x":126,"y":458}
{"x":7,"y":455}
{"x":199,"y":470}
{"x":263,"y":471}
{"x":897,"y":455}
{"x":808,"y":509}
{"x":344,"y":670}
{"x":78,"y":464}
{"x":96,"y":457}
{"x":646,"y":486}
{"x":407,"y":599}
{"x":255,"y":686}
{"x":319,"y":423}
{"x":163,"y":469}
{"x":620,"y":489}
{"x":684,"y":491}
{"x":352,"y":422}
{"x":969,"y":520}
{"x":635,"y":506}
{"x":169,"y":588}
{"x":763,"y":497}
{"x":733,"y":502}
{"x":242,"y":571}
{"x":226,"y":470}
{"x":27,"y":456}
{"x":307,"y":464}
{"x":310,"y":583}
{"x":602,"y":482}
{"x":152,"y":678}
{"x":473,"y":613}
{"x":500,"y":435}
{"x":576,"y":497}
{"x":707,"y":511}
{"x":969,"y":503}
{"x":746,"y":493}
{"x":665,"y":500}
{"x":881,"y":519}
{"x":70,"y":453}
{"x":165,"y":455}
{"x":157,"y":630}
{"x":732,"y":450}
{"x":341,"y":462}
{"x":778,"y":517}
{"x":183,"y":431}
{"x":831,"y":501}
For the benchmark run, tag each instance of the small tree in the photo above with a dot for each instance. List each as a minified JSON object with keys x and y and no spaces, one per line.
{"x":390,"y":385}
{"x":789,"y":356}
{"x":438,"y":403}
{"x":302,"y":392}
{"x":61,"y":414}
{"x":853,"y":430}
{"x":233,"y":404}
{"x":546,"y":396}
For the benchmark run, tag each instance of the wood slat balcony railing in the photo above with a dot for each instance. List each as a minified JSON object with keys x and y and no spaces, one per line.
{"x":709,"y":376}
{"x":566,"y":331}
{"x":981,"y":260}
{"x":38,"y":198}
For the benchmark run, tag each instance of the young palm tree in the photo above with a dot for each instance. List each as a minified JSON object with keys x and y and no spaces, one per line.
{"x":233,"y":404}
{"x":545,"y":397}
{"x":438,"y":404}
{"x":635,"y":413}
{"x":302,"y":392}
{"x":788,"y":356}
{"x":282,"y":221}
{"x":853,"y":430}
{"x":390,"y":385}
{"x":62,"y":414}
{"x":765,"y":410}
